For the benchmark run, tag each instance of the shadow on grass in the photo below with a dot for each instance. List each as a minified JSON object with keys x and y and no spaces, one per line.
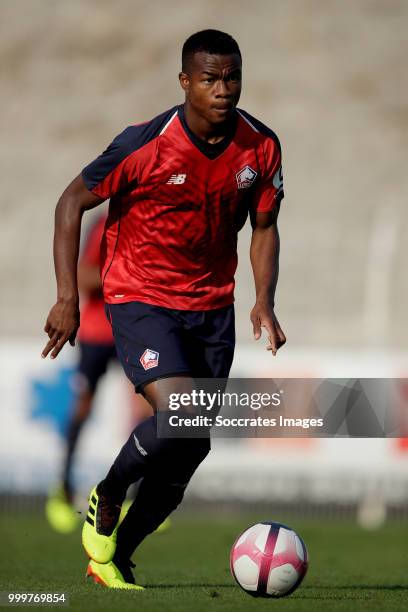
{"x":342,"y":587}
{"x":351,"y":592}
{"x":191,"y":585}
{"x":359,"y":587}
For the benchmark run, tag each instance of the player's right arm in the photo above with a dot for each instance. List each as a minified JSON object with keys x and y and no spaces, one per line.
{"x":63,"y":319}
{"x":106,"y":176}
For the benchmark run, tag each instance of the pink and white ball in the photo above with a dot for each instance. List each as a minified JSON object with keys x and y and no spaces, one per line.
{"x":269,"y":560}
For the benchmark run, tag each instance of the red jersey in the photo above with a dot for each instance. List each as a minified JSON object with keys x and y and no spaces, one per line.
{"x":176,"y":206}
{"x":95,"y":327}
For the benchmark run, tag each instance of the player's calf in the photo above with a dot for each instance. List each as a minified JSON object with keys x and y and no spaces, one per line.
{"x":144,"y":450}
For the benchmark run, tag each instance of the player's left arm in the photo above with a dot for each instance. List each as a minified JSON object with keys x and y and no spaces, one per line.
{"x":264,"y":255}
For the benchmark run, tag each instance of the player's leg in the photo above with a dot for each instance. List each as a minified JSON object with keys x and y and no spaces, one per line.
{"x":165,"y":481}
{"x":92,"y":365}
{"x":149,"y":347}
{"x":208,"y":342}
{"x":165,"y":465}
{"x":80,"y":413}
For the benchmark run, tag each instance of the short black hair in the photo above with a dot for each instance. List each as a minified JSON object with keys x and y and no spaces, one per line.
{"x":208,"y":41}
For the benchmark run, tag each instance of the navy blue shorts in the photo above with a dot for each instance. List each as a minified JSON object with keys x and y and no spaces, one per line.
{"x":154,"y":342}
{"x":93,"y":362}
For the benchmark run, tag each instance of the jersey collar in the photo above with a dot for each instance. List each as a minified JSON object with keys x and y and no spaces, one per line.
{"x":212,"y":151}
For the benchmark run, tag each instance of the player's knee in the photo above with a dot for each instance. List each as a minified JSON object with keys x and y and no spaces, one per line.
{"x":167,"y":455}
{"x":159,"y":393}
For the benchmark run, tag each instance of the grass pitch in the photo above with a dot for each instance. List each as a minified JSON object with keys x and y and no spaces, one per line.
{"x":186,"y":569}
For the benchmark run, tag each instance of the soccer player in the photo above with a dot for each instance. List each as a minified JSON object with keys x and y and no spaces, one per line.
{"x":180,"y":187}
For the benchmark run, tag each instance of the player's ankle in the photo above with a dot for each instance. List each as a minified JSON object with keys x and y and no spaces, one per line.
{"x":125,"y":566}
{"x":113,"y":495}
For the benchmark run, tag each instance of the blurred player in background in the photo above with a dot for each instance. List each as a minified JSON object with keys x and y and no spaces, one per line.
{"x":181,"y":187}
{"x":96,"y":350}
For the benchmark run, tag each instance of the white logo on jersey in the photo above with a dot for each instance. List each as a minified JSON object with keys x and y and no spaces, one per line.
{"x":177,"y":179}
{"x":245,"y":177}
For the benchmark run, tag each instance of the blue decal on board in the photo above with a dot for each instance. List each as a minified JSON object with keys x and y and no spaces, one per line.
{"x":51,"y":400}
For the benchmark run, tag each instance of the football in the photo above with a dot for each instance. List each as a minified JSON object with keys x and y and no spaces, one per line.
{"x":269,"y":560}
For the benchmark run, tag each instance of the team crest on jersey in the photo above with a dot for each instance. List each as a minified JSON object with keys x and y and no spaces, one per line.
{"x":245,"y":177}
{"x":149,"y":359}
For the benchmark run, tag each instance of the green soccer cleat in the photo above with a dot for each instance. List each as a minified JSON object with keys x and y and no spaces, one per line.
{"x":100,"y":528}
{"x":162,"y":528}
{"x":125,"y":508}
{"x":109,"y":575}
{"x":60,"y":513}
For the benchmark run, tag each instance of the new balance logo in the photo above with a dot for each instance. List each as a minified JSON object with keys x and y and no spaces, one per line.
{"x":177,"y":179}
{"x":139,"y":447}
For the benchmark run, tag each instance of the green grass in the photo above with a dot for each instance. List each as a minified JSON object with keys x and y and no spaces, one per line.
{"x":186,"y":569}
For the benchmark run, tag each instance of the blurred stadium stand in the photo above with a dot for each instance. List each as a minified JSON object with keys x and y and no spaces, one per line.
{"x":330,"y":79}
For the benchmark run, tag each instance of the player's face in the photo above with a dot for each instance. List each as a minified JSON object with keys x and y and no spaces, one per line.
{"x":213,"y":85}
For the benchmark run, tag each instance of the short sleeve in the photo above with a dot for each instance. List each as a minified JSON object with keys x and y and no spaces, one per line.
{"x":111,"y":172}
{"x":269,"y":192}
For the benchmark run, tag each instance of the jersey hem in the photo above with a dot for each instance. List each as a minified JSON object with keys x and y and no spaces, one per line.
{"x":172,"y":305}
{"x":95,"y":341}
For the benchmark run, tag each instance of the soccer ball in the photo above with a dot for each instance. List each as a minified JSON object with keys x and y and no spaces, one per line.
{"x":269,"y":560}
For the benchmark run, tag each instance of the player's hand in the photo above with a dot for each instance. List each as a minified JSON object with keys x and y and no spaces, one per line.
{"x":262,"y":315}
{"x":61,"y":326}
